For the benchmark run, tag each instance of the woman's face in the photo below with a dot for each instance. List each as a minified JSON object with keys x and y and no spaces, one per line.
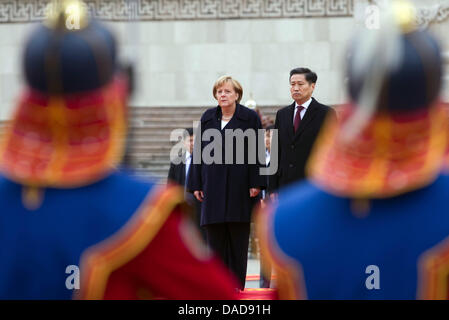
{"x":226,"y":95}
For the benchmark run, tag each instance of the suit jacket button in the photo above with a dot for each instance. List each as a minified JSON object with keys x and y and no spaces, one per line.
{"x":290,"y":165}
{"x":293,"y":146}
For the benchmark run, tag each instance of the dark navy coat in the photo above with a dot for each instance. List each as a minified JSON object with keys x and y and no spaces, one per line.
{"x":226,"y":186}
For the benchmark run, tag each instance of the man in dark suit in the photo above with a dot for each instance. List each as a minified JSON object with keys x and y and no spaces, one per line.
{"x":178,"y":174}
{"x":298,"y":126}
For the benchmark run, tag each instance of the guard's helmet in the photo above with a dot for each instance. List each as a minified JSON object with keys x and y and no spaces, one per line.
{"x":69,"y":126}
{"x":70,"y":52}
{"x":392,"y":136}
{"x":411,"y":63}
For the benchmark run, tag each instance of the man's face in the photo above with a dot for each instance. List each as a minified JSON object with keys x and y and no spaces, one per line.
{"x":300,"y":89}
{"x":188,"y":143}
{"x":268,"y":136}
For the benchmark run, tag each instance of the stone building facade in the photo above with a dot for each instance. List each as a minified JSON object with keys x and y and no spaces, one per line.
{"x":182,"y":46}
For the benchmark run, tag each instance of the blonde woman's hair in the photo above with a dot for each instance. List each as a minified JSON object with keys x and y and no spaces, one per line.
{"x":224,"y":79}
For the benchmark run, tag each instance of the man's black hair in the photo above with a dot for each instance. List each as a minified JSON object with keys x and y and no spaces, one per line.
{"x":189,"y":132}
{"x":311,"y":76}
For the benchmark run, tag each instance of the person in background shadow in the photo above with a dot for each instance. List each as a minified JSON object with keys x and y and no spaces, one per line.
{"x":178,"y":173}
{"x":265,"y":267}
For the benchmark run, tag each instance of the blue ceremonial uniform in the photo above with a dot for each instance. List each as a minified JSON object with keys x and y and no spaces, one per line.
{"x":372,"y":222}
{"x":71,"y":224}
{"x":334,"y":247}
{"x":32,"y":266}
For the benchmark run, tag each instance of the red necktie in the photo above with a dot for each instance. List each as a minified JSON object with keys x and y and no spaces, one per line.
{"x":297,"y":118}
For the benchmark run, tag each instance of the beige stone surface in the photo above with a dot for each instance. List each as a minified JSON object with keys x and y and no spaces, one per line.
{"x":178,"y":61}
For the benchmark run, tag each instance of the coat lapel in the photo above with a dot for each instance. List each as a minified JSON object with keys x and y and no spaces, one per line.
{"x":308,"y":117}
{"x":213,"y":120}
{"x":217,"y":119}
{"x":288,"y":120}
{"x":183,"y":173}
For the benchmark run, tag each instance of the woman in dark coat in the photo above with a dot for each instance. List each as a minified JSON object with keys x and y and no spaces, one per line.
{"x":227,"y":189}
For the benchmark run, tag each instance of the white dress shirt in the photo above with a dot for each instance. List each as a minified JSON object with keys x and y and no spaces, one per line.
{"x":188,"y":162}
{"x":267,"y":162}
{"x":224,"y":123}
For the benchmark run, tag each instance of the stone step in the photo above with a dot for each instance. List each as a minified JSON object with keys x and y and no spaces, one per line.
{"x":156,"y":162}
{"x":150,"y":148}
{"x":169,"y":110}
{"x":140,"y":120}
{"x":159,"y":130}
{"x":150,"y":170}
{"x":153,"y":167}
{"x":150,"y":173}
{"x":143,"y":139}
{"x":142,"y":133}
{"x":149,"y":166}
{"x":166,"y":126}
{"x":162,"y":173}
{"x":158,"y":156}
{"x":165,"y":113}
{"x":153,"y":132}
{"x":180,"y":116}
{"x":143,"y":122}
{"x":147,"y":163}
{"x":184,"y":113}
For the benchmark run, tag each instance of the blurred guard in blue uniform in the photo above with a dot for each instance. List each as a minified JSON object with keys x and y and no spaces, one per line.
{"x":372,"y":221}
{"x":71,"y":225}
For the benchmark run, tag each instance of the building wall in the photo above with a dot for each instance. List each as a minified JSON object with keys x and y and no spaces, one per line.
{"x":182,"y":47}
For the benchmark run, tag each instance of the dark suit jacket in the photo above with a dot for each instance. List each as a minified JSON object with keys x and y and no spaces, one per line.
{"x":226,"y":186}
{"x":294,"y":148}
{"x":177,"y":174}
